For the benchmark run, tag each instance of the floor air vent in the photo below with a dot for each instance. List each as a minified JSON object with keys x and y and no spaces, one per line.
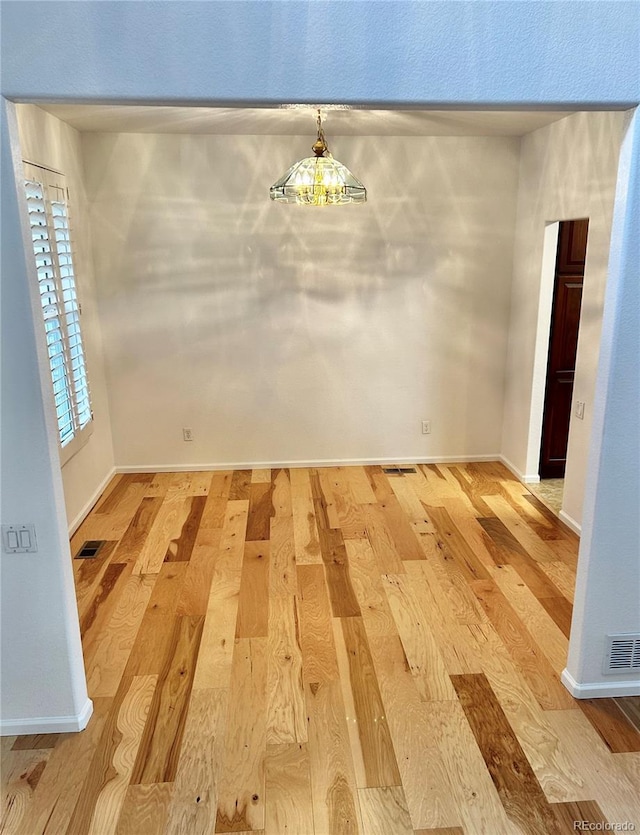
{"x":90,"y":549}
{"x":398,"y":470}
{"x":623,"y":654}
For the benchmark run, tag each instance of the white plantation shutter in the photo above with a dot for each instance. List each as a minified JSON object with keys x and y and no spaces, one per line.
{"x":51,"y":236}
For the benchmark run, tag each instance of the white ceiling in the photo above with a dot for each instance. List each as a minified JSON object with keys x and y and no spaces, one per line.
{"x":299,"y":120}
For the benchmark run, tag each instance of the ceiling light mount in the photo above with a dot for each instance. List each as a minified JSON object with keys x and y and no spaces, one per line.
{"x":320,"y":145}
{"x":319,"y":180}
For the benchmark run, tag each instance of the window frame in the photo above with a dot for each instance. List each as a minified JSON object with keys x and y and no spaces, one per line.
{"x":50,"y":179}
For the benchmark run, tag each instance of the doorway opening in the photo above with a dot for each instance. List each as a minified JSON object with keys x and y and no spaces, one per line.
{"x":570,"y":258}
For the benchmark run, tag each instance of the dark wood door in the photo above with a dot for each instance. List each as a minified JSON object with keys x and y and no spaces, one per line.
{"x":563,"y":346}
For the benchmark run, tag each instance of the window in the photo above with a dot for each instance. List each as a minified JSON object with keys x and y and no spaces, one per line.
{"x":47,"y":202}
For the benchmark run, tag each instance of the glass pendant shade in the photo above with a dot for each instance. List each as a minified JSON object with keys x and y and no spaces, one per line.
{"x":318,"y":181}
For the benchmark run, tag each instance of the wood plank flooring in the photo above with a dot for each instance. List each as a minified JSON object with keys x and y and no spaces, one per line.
{"x":336,"y":651}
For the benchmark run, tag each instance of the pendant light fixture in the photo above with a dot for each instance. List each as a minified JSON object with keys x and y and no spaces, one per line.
{"x":319,"y":180}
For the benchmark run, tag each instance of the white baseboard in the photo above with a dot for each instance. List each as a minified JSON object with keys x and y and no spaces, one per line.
{"x":80,"y":517}
{"x":49,"y":724}
{"x":599,"y":689}
{"x":576,"y":527}
{"x":320,"y":462}
{"x":531,"y":478}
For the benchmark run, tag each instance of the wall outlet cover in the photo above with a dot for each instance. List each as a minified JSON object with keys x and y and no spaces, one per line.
{"x":19,"y":539}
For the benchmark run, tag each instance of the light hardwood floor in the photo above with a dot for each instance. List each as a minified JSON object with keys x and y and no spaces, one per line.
{"x":327,"y":651}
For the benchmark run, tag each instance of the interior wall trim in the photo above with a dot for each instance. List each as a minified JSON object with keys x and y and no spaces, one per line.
{"x":48,"y":724}
{"x":84,"y":512}
{"x":320,"y":462}
{"x":599,"y":689}
{"x":525,"y":478}
{"x":570,"y":522}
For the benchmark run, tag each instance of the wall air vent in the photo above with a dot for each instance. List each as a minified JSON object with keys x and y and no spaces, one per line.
{"x":622,"y":654}
{"x":398,"y":470}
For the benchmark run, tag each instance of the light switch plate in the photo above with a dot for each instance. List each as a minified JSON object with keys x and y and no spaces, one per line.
{"x":19,"y":539}
{"x":580,"y":409}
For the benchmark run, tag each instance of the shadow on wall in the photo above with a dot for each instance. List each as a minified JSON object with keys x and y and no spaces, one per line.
{"x":203,"y":278}
{"x":172,"y":237}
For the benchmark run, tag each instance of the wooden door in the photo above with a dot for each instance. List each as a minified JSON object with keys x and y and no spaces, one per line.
{"x":563,"y":345}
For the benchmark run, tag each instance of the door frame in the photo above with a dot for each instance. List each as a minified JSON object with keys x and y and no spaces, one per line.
{"x":541,"y":359}
{"x":541,"y":352}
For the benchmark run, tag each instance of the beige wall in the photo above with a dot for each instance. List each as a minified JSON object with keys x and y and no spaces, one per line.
{"x":283,"y":334}
{"x":47,"y":141}
{"x":567,"y":170}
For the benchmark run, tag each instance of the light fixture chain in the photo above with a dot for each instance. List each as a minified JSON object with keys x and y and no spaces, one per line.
{"x":321,"y":137}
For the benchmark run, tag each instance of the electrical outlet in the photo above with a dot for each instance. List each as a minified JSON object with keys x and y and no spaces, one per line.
{"x":187,"y":434}
{"x":426,"y":427}
{"x":580,"y":409}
